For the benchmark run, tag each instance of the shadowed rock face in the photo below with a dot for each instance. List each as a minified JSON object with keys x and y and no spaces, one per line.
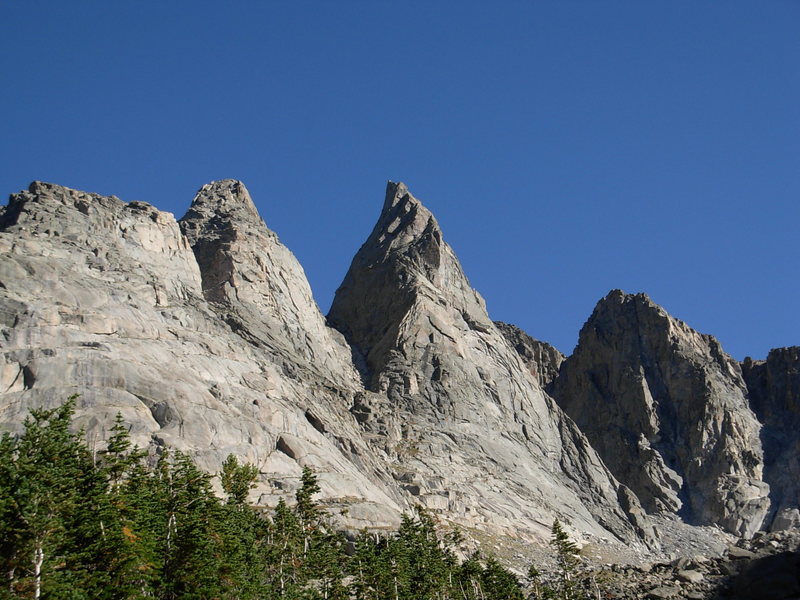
{"x":542,"y":359}
{"x":774,"y":388}
{"x":469,"y":425}
{"x":257,"y":285}
{"x":666,"y":408}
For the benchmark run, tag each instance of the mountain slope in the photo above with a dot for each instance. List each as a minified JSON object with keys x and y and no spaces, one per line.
{"x":472,"y":430}
{"x":105,"y":299}
{"x":667,"y":410}
{"x":774,"y":388}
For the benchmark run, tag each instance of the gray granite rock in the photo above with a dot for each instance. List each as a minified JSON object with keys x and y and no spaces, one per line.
{"x":205,"y":336}
{"x":255,"y":284}
{"x":774,"y":392}
{"x":105,"y":299}
{"x":542,"y":359}
{"x":666,"y":408}
{"x":459,"y":408}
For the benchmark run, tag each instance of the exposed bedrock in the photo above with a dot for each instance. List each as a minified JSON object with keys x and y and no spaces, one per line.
{"x":667,"y":410}
{"x":465,"y":416}
{"x":774,"y":388}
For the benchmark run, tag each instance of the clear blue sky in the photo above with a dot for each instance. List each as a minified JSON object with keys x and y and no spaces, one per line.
{"x":567,"y":148}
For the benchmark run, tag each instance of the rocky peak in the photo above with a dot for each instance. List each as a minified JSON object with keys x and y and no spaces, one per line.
{"x":405,"y":224}
{"x":225,"y":203}
{"x":774,"y":390}
{"x":462,"y":416}
{"x":116,"y":233}
{"x":666,"y":408}
{"x":257,"y":285}
{"x":103,"y":298}
{"x":403,"y":261}
{"x":774,"y":384}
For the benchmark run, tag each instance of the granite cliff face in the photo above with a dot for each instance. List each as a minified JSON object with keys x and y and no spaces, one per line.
{"x":667,"y":410}
{"x":468,"y":427}
{"x":105,"y":299}
{"x":542,"y":359}
{"x":255,"y":284}
{"x":774,"y":388}
{"x":204,"y":334}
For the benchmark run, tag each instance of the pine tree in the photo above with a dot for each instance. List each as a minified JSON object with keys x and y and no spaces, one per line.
{"x":283,"y":553}
{"x":50,"y":477}
{"x":10,"y":524}
{"x":469,"y":578}
{"x":499,"y":583}
{"x":242,"y":533}
{"x":127,"y":545}
{"x":191,"y":544}
{"x":237,"y":480}
{"x":567,"y":558}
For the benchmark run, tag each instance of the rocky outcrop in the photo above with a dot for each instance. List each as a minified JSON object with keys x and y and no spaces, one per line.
{"x":259,"y":288}
{"x":542,"y":359}
{"x":204,"y":334}
{"x":774,"y":390}
{"x":105,"y":299}
{"x":468,"y":427}
{"x":666,"y":409}
{"x":766,"y":567}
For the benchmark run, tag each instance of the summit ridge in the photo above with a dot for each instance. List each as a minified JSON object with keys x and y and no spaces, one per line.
{"x":203,"y":332}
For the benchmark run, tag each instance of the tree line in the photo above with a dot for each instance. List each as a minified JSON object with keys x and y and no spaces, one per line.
{"x":116,"y":526}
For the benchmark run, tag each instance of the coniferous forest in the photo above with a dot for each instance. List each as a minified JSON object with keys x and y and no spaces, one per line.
{"x":114,"y":525}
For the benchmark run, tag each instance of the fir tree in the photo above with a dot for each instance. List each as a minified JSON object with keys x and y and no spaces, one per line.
{"x":567,"y":558}
{"x":499,"y":583}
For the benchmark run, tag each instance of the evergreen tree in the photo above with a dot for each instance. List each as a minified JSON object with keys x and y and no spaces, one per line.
{"x":283,"y":552}
{"x":241,"y":532}
{"x":499,"y":583}
{"x":237,"y":480}
{"x":567,"y":558}
{"x":469,"y":578}
{"x":191,"y":544}
{"x":118,"y":529}
{"x":49,"y":476}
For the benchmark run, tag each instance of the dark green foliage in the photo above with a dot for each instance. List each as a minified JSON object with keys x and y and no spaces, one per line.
{"x":567,"y":557}
{"x":498,"y":582}
{"x":568,"y":583}
{"x":237,"y":480}
{"x":115,"y":527}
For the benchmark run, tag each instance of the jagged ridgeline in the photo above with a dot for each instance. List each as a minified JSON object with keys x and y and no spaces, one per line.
{"x":204,"y":335}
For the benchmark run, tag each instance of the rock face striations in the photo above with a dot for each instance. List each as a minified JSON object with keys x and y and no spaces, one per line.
{"x":469,"y":428}
{"x":257,"y":286}
{"x":542,"y":359}
{"x":105,"y":299}
{"x":667,"y":410}
{"x":774,"y":387}
{"x":204,"y":334}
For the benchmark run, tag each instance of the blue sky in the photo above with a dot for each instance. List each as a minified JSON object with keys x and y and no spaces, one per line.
{"x":566,"y":147}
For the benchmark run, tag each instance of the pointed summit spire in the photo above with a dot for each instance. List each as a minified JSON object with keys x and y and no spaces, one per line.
{"x":453,"y":382}
{"x":403,"y":261}
{"x":257,"y":283}
{"x":226,"y":200}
